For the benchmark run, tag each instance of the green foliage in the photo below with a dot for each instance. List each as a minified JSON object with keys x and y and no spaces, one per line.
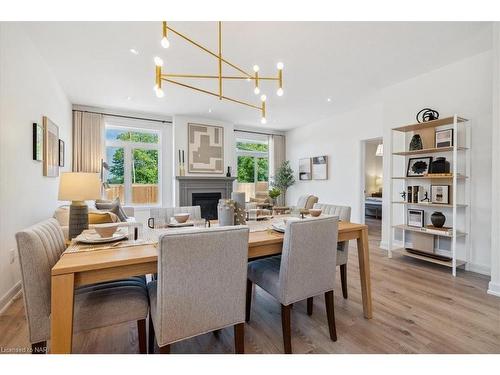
{"x":284,"y":177}
{"x":246,"y":169}
{"x":251,"y":146}
{"x":145,"y":166}
{"x":274,"y":192}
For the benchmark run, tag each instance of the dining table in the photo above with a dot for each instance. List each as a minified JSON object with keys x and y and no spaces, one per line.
{"x":77,"y":268}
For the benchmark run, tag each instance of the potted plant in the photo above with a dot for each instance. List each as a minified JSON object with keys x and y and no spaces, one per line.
{"x":283,"y":179}
{"x":274,"y":193}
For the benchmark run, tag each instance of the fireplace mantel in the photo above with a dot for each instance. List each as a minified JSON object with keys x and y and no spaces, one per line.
{"x":203,"y":184}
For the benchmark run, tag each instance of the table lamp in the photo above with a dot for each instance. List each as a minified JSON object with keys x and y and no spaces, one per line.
{"x":78,"y":187}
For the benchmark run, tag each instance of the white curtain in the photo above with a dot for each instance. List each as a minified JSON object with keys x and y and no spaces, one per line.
{"x":277,"y":155}
{"x":88,"y":130}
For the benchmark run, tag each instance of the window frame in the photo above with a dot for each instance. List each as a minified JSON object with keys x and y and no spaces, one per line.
{"x":128,"y":149}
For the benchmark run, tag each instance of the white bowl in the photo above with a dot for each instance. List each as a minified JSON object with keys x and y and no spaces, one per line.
{"x":106,"y":230}
{"x":315,"y":212}
{"x":181,"y":218}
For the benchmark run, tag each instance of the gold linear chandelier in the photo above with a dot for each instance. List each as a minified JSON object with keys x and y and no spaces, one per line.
{"x":244,"y":75}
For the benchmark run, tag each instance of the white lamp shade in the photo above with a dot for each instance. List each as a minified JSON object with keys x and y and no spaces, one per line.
{"x":380,"y":150}
{"x":79,"y":186}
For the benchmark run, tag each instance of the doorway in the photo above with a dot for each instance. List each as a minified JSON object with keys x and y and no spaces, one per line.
{"x":372,"y":151}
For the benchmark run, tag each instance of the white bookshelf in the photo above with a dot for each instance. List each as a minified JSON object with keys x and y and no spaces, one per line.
{"x":456,"y":244}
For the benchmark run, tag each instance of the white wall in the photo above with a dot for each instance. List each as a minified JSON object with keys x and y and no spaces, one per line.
{"x":494,"y":285}
{"x":338,"y":137}
{"x":180,"y":141}
{"x":463,"y":87}
{"x":28,"y":91}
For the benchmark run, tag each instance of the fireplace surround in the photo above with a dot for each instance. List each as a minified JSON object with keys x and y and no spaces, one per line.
{"x":204,"y":188}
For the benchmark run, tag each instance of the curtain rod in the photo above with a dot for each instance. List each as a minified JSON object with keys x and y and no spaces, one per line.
{"x":123,"y":116}
{"x":254,"y":132}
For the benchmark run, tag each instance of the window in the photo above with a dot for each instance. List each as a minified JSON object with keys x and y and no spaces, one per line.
{"x":133,"y":155}
{"x":252,"y":157}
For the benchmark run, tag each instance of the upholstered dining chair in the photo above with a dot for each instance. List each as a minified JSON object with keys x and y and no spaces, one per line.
{"x":166,"y":213}
{"x":96,"y":305}
{"x":344,"y":214}
{"x":303,"y":270}
{"x":200,"y":286}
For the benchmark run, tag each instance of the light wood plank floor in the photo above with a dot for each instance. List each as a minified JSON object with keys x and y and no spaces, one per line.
{"x":418,"y":308}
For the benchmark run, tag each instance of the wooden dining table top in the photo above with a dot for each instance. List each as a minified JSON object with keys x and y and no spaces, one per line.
{"x":260,"y":243}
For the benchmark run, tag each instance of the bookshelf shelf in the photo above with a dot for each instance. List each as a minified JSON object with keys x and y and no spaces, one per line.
{"x":457,"y":153}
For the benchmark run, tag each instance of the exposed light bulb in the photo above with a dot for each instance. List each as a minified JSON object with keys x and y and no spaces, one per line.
{"x":134,"y":51}
{"x":164,"y":42}
{"x":159,"y":93}
{"x":279,"y":92}
{"x":210,"y":110}
{"x":279,"y":66}
{"x":329,"y":100}
{"x":263,"y":97}
{"x":158,"y":61}
{"x":256,"y":91}
{"x":248,"y":79}
{"x":255,"y":68}
{"x":263,"y":120}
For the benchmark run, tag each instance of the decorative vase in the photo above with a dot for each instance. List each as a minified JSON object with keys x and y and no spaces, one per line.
{"x":438,"y":219}
{"x":416,"y":143}
{"x":440,"y":165}
{"x":228,"y":174}
{"x":225,"y":211}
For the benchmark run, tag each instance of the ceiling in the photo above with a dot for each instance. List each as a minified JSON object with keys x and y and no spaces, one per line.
{"x":341,"y":61}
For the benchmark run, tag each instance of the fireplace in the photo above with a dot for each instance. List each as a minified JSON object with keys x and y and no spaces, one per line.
{"x":208,"y":203}
{"x":204,"y":191}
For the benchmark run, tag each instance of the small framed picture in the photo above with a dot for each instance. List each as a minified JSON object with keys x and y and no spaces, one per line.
{"x":37,"y":142}
{"x":418,"y":167}
{"x":305,"y":169}
{"x":440,"y":194}
{"x":444,"y":138}
{"x":415,"y":218}
{"x":61,"y":153}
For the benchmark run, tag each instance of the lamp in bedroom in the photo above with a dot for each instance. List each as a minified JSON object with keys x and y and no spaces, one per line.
{"x":78,"y":187}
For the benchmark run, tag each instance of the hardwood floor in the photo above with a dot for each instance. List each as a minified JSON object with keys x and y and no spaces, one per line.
{"x":418,"y":308}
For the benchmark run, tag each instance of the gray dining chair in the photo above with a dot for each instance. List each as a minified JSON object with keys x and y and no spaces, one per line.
{"x":303,"y":270}
{"x":344,"y":214}
{"x":95,"y":306}
{"x":200,"y":286}
{"x":164,"y":214}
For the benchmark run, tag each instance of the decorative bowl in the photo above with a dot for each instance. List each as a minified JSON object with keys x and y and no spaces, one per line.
{"x":181,"y":217}
{"x":106,"y":230}
{"x":315,"y":212}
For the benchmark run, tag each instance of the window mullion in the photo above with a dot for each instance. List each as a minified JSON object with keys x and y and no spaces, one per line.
{"x":128,"y":174}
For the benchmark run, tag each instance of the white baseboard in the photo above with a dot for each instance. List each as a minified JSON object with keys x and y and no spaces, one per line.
{"x":6,"y":300}
{"x":494,"y":289}
{"x":478,"y":268}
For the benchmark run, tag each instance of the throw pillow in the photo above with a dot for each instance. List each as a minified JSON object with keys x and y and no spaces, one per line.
{"x":112,"y":206}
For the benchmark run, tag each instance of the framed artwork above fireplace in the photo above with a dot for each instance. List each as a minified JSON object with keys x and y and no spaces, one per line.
{"x":205,"y":149}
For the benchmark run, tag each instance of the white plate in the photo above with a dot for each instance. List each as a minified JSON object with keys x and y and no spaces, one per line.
{"x":175,"y":224}
{"x":93,"y":237}
{"x":279,"y":227}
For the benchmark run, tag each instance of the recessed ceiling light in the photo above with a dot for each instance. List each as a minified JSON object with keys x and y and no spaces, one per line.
{"x":134,"y":51}
{"x":328,"y":100}
{"x":129,"y":98}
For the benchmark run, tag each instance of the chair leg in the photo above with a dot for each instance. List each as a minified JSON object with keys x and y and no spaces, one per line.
{"x":330,"y":313}
{"x":165,"y":349}
{"x":310,"y":301}
{"x":249,"y":300}
{"x":151,"y":341}
{"x":343,"y":279}
{"x":239,"y":338}
{"x":39,"y":347}
{"x":141,"y":332}
{"x":286,"y":327}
